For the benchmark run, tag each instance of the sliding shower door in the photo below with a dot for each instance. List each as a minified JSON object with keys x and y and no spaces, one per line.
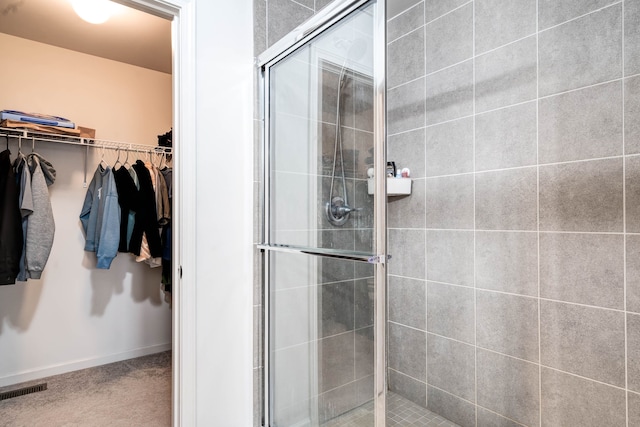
{"x":324,"y":241}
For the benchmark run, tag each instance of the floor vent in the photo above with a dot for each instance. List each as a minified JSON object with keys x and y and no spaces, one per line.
{"x":22,"y":391}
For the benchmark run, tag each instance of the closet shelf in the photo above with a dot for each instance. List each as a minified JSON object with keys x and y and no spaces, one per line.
{"x":39,"y":136}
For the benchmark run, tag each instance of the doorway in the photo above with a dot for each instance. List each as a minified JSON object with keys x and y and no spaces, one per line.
{"x":181,"y":13}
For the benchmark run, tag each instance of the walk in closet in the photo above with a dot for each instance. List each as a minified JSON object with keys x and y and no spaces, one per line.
{"x":76,"y":315}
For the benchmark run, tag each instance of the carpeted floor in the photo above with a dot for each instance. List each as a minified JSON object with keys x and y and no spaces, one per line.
{"x":135,"y":392}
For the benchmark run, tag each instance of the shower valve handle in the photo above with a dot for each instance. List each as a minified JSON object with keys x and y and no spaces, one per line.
{"x":343,"y":210}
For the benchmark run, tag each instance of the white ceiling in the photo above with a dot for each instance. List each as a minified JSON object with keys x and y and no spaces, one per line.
{"x":131,"y":36}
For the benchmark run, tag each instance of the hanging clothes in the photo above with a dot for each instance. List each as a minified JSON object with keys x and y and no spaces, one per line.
{"x":132,"y":215}
{"x":128,"y":200}
{"x":11,"y":240}
{"x":166,"y":238}
{"x":40,"y":223}
{"x":25,"y":201}
{"x":162,"y":202}
{"x":167,"y":172}
{"x":146,"y":216}
{"x":166,"y":262}
{"x":100,"y":217}
{"x":163,"y":208}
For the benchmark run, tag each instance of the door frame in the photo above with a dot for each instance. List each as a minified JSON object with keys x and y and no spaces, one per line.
{"x":330,"y":15}
{"x":183,"y":39}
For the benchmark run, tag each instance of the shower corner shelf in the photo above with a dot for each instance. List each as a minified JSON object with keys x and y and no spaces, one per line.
{"x":395,"y":186}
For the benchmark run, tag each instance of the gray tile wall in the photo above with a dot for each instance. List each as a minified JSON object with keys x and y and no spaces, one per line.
{"x":518,"y":252}
{"x":520,"y":240}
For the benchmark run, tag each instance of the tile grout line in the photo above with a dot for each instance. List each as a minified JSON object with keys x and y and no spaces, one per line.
{"x":406,"y":375}
{"x":406,"y":83}
{"x":415,"y":30}
{"x":506,"y":107}
{"x":475,"y":291}
{"x":562,"y":163}
{"x":484,"y":230}
{"x":266,"y":23}
{"x":426,"y":261}
{"x":405,"y":132}
{"x":582,"y":16}
{"x":624,"y":229}
{"x":491,"y":110}
{"x":403,"y":12}
{"x":555,"y":301}
{"x":578,"y":89}
{"x":444,"y":14}
{"x":538,"y":209}
{"x":407,"y":326}
{"x":515,"y":168}
{"x":494,"y":49}
{"x":582,"y":377}
{"x":312,"y":9}
{"x":476,"y":405}
{"x":354,"y":318}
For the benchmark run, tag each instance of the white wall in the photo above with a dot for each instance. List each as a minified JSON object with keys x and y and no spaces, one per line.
{"x":224,"y":67}
{"x":77,"y":316}
{"x":122,"y":102}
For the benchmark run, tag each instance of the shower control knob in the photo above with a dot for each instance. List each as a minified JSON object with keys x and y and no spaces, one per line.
{"x":338,"y":211}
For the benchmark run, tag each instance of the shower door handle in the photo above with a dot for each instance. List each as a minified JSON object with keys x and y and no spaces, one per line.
{"x":379,"y":259}
{"x":323,"y":252}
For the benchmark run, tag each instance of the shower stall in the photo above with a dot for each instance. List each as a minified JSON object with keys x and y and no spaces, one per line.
{"x":502,"y":287}
{"x":324,"y":239}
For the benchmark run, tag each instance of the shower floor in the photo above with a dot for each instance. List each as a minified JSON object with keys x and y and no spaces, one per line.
{"x":400,"y":413}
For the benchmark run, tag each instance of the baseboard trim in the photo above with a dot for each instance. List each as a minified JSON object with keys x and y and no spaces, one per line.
{"x":37,"y":374}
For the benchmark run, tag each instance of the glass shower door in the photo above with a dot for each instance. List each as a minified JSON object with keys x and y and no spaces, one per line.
{"x":321,"y":245}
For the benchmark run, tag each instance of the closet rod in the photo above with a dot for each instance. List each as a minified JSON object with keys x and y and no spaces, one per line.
{"x":86,"y":142}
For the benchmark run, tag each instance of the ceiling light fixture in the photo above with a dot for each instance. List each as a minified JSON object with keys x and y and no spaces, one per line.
{"x":94,"y":11}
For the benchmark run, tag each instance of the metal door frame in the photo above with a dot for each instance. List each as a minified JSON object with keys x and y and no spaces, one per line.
{"x":323,"y":20}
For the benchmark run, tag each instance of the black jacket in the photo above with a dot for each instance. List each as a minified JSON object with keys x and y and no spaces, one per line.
{"x":127,"y":198}
{"x":10,"y":222}
{"x":146,"y":215}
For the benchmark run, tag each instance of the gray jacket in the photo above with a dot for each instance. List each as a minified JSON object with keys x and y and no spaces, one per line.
{"x":25,"y":201}
{"x":40,"y":224}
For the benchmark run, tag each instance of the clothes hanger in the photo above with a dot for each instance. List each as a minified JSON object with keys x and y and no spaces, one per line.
{"x":158,"y":160}
{"x":126,"y":161}
{"x":19,"y":145}
{"x":103,"y":163}
{"x":117,"y":160}
{"x":33,"y":144}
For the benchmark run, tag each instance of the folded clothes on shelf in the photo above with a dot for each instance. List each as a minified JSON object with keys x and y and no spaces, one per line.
{"x":36,"y":118}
